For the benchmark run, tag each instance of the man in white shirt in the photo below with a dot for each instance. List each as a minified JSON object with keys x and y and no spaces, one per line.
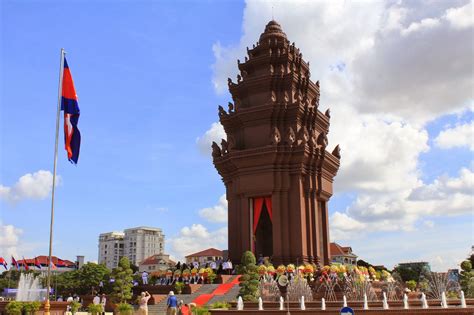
{"x":145,"y":277}
{"x":96,"y":300}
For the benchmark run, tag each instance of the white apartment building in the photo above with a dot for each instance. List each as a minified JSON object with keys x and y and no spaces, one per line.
{"x":135,"y":243}
{"x":143,"y":242}
{"x":111,"y":248}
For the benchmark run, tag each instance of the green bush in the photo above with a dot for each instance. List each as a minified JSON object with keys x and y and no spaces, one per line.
{"x":94,"y":309}
{"x":217,"y":305}
{"x":411,"y":284}
{"x":31,"y":308}
{"x":179,"y":287}
{"x":124,"y":309}
{"x":75,"y":306}
{"x":14,"y":308}
{"x":201,"y":310}
{"x":249,"y":281}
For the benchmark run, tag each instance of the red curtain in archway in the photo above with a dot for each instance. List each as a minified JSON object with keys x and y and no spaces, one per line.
{"x":258,"y":207}
{"x":257,"y":210}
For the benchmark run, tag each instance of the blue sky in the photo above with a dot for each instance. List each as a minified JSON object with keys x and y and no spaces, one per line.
{"x":149,"y":75}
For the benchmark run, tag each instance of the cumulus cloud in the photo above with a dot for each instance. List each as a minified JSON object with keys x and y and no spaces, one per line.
{"x":445,"y":196}
{"x":217,"y":213}
{"x":196,"y":238}
{"x":458,"y":136}
{"x":29,"y":186}
{"x":9,"y":240}
{"x":215,"y":133}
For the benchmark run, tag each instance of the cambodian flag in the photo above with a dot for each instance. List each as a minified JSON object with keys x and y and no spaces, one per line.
{"x":3,"y":262}
{"x":37,"y":263}
{"x":72,"y":136}
{"x":25,"y":264}
{"x":14,"y":263}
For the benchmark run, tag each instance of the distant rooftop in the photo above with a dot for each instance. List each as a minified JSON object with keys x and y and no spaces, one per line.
{"x":144,"y":228}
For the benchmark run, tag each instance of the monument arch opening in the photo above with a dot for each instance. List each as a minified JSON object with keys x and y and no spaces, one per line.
{"x":262,"y":226}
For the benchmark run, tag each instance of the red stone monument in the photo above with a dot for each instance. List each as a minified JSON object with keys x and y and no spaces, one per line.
{"x":274,"y":163}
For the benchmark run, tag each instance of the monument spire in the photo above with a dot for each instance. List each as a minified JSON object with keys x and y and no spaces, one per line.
{"x":274,"y":163}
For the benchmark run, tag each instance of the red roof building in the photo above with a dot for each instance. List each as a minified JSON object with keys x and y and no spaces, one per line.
{"x":342,"y":254}
{"x":205,"y":256}
{"x":158,"y":262}
{"x":60,"y":264}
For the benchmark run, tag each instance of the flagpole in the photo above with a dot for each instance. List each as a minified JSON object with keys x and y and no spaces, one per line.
{"x":47,"y":305}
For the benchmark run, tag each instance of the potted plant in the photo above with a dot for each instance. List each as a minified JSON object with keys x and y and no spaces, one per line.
{"x":31,"y":308}
{"x":179,"y":287}
{"x":74,"y":307}
{"x":14,"y":308}
{"x":124,"y":309}
{"x":94,"y":309}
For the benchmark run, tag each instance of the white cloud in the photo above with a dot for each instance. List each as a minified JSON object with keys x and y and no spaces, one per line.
{"x":459,"y":136}
{"x":9,"y":240}
{"x":196,"y":238}
{"x":217,"y":213}
{"x":419,"y":26}
{"x":461,"y":17}
{"x":400,"y":211}
{"x":29,"y":186}
{"x":215,"y":133}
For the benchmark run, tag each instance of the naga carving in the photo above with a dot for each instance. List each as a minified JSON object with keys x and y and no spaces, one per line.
{"x":216,"y":151}
{"x":290,"y":136}
{"x":337,"y":152}
{"x":275,"y":137}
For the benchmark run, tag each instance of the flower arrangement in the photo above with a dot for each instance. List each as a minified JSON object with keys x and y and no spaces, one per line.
{"x":177,"y":273}
{"x":262,"y":270}
{"x":280,"y":270}
{"x":169,"y":273}
{"x":271,"y":270}
{"x":186,"y":273}
{"x":194,"y":272}
{"x":290,"y":268}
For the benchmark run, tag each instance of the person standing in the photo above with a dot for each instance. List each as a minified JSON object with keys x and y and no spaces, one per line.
{"x":172,"y":303}
{"x":145,"y":277}
{"x":103,"y":301}
{"x":143,"y":303}
{"x":96,"y":299}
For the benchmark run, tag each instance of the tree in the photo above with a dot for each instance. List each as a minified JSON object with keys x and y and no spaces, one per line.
{"x":249,"y":280}
{"x":123,"y":281}
{"x":412,"y":271}
{"x":90,"y":275}
{"x":466,"y":278}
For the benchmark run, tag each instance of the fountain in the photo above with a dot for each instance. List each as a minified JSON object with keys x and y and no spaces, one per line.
{"x":355,"y":288}
{"x":29,"y":288}
{"x":424,"y":303}
{"x":439,"y":283}
{"x":282,"y":304}
{"x":323,"y":304}
{"x":444,"y":303}
{"x":344,"y":300}
{"x":463,"y":300}
{"x":366,"y":304}
{"x":269,"y":290}
{"x":299,"y":287}
{"x":240,"y":304}
{"x":385,"y":303}
{"x":260,"y":304}
{"x":302,"y":305}
{"x":405,"y":301}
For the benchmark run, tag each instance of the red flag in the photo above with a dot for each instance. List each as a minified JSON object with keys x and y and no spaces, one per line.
{"x":3,"y":262}
{"x":37,"y":264}
{"x":25,"y":264}
{"x":14,"y":263}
